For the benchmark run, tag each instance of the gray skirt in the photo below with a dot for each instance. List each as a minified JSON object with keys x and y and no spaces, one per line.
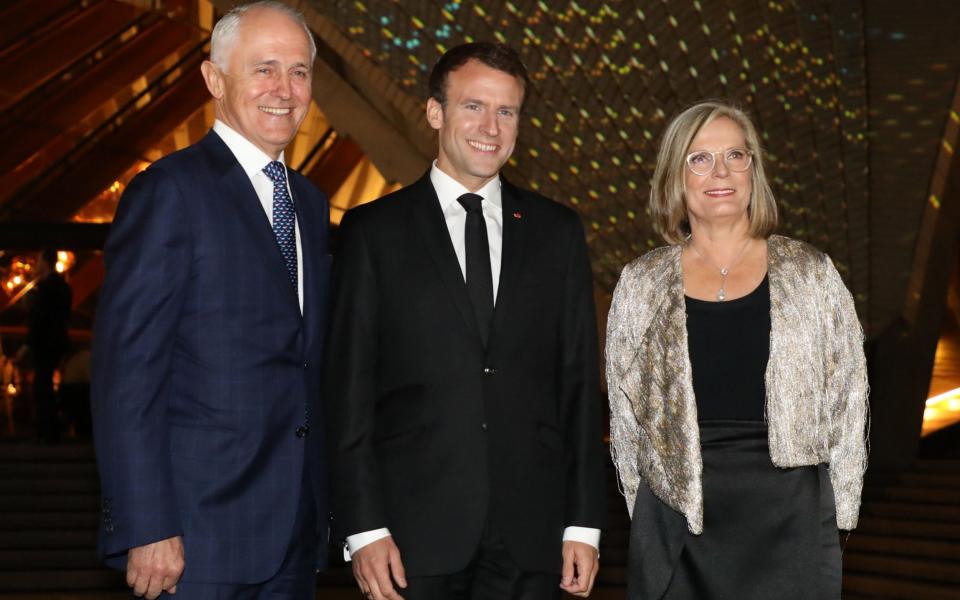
{"x":767,"y":532}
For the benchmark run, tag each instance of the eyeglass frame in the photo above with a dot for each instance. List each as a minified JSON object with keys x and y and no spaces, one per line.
{"x":713,"y":166}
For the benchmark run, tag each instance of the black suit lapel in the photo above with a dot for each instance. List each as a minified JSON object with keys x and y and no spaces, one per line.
{"x":235,"y":186}
{"x":511,"y":257}
{"x":429,"y":220}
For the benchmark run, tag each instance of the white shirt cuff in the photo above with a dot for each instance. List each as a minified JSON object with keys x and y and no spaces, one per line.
{"x":585,"y":535}
{"x":359,"y":540}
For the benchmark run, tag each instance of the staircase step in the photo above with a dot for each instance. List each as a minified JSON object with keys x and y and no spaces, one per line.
{"x":58,"y":503}
{"x":32,"y":560}
{"x":875,"y":586}
{"x":940,"y":571}
{"x":919,"y":479}
{"x":922,"y":495}
{"x":61,"y":579}
{"x":60,"y":470}
{"x":87,"y":595}
{"x":29,"y":452}
{"x":937,"y":466}
{"x":19,"y":521}
{"x":906,"y":510}
{"x":909,"y":528}
{"x":41,"y":539}
{"x":899,"y":546}
{"x":50,"y":486}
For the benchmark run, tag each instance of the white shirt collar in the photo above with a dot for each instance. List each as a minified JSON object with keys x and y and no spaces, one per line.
{"x":251,"y":158}
{"x":449,"y":189}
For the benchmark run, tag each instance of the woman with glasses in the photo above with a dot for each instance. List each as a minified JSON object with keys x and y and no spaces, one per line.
{"x":737,"y":384}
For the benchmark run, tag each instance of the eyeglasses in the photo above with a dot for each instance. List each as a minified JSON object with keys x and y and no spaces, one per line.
{"x":702,"y":162}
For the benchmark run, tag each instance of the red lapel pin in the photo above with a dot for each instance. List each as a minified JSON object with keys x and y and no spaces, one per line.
{"x":517,"y":215}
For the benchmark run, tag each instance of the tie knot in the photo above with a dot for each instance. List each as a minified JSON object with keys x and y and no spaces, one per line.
{"x":275,"y":171}
{"x":471,"y":202}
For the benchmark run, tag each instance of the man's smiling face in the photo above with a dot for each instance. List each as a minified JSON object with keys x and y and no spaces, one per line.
{"x":478,"y":126}
{"x":264,"y":91}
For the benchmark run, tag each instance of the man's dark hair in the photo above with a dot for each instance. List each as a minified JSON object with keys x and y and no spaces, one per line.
{"x":496,"y":56}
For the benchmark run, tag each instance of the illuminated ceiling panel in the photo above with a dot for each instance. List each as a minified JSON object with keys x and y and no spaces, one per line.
{"x":606,"y":78}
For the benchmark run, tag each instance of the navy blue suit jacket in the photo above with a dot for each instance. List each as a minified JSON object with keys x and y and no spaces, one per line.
{"x":204,"y":368}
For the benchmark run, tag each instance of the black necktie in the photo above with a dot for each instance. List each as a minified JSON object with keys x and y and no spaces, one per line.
{"x":479,"y":277}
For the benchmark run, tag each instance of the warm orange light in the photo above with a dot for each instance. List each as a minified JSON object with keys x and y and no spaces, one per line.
{"x":11,"y":389}
{"x":941,"y":411}
{"x":17,"y":280}
{"x":65,"y":260}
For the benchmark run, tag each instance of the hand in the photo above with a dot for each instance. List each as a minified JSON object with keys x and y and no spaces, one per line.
{"x":580,"y":566}
{"x":155,"y":568}
{"x":373,"y":567}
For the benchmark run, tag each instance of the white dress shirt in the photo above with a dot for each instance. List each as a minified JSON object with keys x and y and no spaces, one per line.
{"x":252,"y":160}
{"x":448,"y":190}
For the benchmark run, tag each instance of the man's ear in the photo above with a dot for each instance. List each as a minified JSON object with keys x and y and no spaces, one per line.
{"x":434,"y":113}
{"x":213,"y":78}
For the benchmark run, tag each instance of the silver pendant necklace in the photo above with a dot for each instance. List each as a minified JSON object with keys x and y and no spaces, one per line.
{"x":724,"y":271}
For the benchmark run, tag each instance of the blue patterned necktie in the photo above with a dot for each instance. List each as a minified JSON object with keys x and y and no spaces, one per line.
{"x":284,"y":217}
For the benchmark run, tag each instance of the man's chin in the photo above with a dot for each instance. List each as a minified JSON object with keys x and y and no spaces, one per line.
{"x":488,"y":170}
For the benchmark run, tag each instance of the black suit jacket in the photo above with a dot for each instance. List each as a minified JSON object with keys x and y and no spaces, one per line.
{"x":434,"y":433}
{"x":204,"y":369}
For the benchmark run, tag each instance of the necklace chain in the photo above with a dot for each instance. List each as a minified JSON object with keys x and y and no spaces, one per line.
{"x":724,"y":271}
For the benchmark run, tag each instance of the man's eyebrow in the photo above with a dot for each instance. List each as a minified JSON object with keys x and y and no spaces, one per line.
{"x":483,"y":103}
{"x":274,"y":63}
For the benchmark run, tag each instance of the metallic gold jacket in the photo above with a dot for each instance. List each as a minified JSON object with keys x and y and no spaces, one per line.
{"x":816,"y":380}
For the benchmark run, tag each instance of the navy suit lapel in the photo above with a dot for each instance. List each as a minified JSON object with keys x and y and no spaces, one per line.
{"x":309,"y":232}
{"x":433,"y":230}
{"x":236,"y":187}
{"x":511,"y":257}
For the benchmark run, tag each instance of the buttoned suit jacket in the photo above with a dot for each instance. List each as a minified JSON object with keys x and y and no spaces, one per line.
{"x":435,"y":435}
{"x":204,"y":369}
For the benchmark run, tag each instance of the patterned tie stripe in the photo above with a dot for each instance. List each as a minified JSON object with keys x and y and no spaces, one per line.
{"x":284,"y":217}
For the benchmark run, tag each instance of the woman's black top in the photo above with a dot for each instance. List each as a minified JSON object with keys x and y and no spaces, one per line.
{"x":729,"y":343}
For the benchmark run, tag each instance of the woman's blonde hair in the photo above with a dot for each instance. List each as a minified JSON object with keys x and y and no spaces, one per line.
{"x":668,"y":208}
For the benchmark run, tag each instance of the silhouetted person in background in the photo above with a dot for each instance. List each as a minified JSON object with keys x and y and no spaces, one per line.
{"x":75,"y":393}
{"x":47,"y":339}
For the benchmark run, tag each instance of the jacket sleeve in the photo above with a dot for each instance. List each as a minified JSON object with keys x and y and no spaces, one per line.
{"x":621,"y":351}
{"x":580,"y":385}
{"x":846,"y":394}
{"x":148,"y":256}
{"x":350,"y":385}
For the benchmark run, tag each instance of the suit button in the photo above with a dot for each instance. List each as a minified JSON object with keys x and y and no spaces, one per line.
{"x":483,"y":426}
{"x":302,"y":431}
{"x":304,"y":365}
{"x":489,"y":371}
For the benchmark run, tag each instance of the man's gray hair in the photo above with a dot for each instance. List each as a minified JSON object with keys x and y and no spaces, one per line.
{"x":225,"y":31}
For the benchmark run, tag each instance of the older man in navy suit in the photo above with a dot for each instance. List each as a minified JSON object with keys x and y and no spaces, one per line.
{"x":209,"y":337}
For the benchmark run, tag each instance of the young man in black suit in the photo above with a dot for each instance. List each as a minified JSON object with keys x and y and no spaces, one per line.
{"x":462,"y":372}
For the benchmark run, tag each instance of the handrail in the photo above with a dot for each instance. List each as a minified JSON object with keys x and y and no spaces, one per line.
{"x":315,"y":152}
{"x":85,"y":62}
{"x":44,"y":26}
{"x":153,"y":91}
